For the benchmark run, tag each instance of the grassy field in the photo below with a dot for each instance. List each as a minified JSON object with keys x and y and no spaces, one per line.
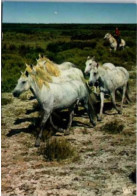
{"x":61,"y":42}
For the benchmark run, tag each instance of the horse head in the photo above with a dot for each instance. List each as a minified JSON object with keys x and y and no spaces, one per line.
{"x":90,"y":63}
{"x":22,"y":85}
{"x":107,"y":36}
{"x":94,"y":76}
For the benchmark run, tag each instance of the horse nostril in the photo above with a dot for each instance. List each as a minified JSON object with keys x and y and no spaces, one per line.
{"x":86,"y":73}
{"x":90,"y":83}
{"x":15,"y":94}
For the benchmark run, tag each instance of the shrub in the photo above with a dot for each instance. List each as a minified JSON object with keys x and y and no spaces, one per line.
{"x":59,"y":149}
{"x":113,"y":127}
{"x":61,"y":46}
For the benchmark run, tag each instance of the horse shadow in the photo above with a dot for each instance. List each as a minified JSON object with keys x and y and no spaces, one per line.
{"x":61,"y":120}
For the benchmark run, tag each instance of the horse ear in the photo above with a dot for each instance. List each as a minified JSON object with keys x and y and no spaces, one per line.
{"x":88,"y":57}
{"x":39,"y":55}
{"x":21,"y":72}
{"x":97,"y":65}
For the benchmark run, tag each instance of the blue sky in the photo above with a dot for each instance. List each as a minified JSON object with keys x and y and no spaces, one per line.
{"x":53,"y":12}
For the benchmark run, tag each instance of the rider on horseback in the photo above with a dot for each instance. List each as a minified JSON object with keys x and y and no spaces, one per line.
{"x":117,"y":37}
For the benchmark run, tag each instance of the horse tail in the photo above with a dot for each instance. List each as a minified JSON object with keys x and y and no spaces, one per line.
{"x":127,"y":93}
{"x":92,"y":101}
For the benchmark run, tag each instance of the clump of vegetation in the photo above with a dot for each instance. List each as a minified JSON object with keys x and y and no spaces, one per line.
{"x":23,"y":42}
{"x":25,"y":96}
{"x":5,"y":101}
{"x":113,"y":127}
{"x":59,"y":149}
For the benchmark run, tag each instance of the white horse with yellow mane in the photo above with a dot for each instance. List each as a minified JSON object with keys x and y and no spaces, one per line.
{"x":62,"y":66}
{"x":113,"y":42}
{"x":57,"y":74}
{"x":53,"y":96}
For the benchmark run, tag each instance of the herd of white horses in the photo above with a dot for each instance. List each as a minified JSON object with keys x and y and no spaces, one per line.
{"x":57,"y":87}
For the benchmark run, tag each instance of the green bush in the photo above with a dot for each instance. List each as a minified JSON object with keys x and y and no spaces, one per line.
{"x":61,"y":42}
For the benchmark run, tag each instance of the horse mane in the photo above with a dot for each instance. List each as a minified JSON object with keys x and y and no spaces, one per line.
{"x":51,"y":67}
{"x":39,"y":75}
{"x":43,"y":74}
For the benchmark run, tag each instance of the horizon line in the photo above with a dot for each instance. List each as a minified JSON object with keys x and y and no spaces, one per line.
{"x":77,"y":1}
{"x":61,"y":23}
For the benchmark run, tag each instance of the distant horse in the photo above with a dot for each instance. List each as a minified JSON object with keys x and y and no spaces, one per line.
{"x":62,"y":66}
{"x":91,"y":63}
{"x":109,"y":81}
{"x":54,"y":96}
{"x":113,"y":42}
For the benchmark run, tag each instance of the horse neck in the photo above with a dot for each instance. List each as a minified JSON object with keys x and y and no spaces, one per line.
{"x":33,"y":86}
{"x":101,"y":71}
{"x":112,"y":39}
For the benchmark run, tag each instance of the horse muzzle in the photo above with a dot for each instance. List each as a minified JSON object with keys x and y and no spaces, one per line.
{"x":86,"y":74}
{"x":90,"y":83}
{"x":16,"y":93}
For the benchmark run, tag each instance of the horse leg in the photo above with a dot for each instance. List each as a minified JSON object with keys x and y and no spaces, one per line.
{"x":101,"y":106}
{"x":123,"y":96}
{"x":88,"y":110}
{"x":54,"y":126}
{"x":115,"y":48}
{"x":114,"y":102}
{"x":44,"y":120}
{"x":126,"y":93}
{"x":71,"y":114}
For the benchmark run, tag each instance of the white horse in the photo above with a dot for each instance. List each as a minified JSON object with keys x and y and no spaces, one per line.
{"x":54,"y":96}
{"x":91,"y":63}
{"x":113,"y":42}
{"x":109,"y":81}
{"x":62,"y":66}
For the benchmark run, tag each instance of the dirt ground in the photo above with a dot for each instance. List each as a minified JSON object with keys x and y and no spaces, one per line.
{"x":103,"y":168}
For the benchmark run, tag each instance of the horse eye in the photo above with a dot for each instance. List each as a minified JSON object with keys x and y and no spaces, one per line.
{"x":90,"y":64}
{"x":23,"y":82}
{"x":95,"y":74}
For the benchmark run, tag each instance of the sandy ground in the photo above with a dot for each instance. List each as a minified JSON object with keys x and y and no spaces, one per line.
{"x":105,"y":160}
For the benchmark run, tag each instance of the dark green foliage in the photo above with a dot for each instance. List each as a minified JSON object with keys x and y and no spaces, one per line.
{"x":61,"y":42}
{"x":61,"y":46}
{"x":59,"y":149}
{"x":5,"y":101}
{"x":113,"y":127}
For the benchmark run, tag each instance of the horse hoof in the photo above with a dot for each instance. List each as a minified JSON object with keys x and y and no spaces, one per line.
{"x":94,"y":124}
{"x":119,"y":112}
{"x":37,"y":143}
{"x":99,"y":118}
{"x":66,"y":132}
